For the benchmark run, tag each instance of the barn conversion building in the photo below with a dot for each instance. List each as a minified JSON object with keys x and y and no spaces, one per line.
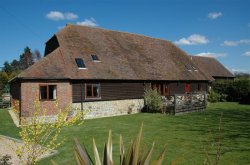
{"x":213,"y":67}
{"x":105,"y":71}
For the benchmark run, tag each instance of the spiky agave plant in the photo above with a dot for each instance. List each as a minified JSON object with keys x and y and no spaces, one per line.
{"x":132,"y":156}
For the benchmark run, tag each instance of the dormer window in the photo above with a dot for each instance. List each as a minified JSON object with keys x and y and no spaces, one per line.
{"x":188,"y":68}
{"x":95,"y":58}
{"x":80,"y":63}
{"x":194,"y":68}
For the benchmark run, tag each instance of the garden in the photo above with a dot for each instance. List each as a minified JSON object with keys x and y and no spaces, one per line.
{"x":222,"y":130}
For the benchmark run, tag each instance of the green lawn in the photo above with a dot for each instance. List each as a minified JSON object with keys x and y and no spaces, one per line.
{"x":184,"y":135}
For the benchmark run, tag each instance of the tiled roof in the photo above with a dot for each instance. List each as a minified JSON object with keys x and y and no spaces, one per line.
{"x":123,"y":56}
{"x":212,"y":66}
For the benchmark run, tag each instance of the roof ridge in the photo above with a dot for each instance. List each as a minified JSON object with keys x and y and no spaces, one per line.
{"x":116,"y":31}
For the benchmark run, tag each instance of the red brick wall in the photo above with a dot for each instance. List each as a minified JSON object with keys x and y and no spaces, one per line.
{"x":30,"y":93}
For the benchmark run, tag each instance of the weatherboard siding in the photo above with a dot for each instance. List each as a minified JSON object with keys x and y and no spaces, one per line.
{"x":127,"y":90}
{"x":110,"y":91}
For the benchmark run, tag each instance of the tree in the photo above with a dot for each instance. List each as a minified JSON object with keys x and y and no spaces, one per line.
{"x":36,"y":55}
{"x":4,"y":78}
{"x":15,"y":65}
{"x":40,"y":134}
{"x":7,"y":67}
{"x":26,"y":59}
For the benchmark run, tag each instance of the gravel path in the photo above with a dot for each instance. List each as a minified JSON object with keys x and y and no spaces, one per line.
{"x":8,"y":146}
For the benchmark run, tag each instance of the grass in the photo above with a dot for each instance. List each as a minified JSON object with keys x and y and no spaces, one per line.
{"x":7,"y":126}
{"x":184,"y":135}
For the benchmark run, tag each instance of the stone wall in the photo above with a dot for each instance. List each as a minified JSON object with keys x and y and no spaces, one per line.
{"x":99,"y":109}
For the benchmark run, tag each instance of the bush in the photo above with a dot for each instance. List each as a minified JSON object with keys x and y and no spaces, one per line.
{"x":153,"y":100}
{"x":237,"y":90}
{"x":5,"y":160}
{"x":213,"y":96}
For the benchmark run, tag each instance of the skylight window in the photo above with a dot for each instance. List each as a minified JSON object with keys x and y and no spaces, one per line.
{"x":188,"y":68}
{"x":80,"y":63}
{"x":95,"y":58}
{"x":194,"y":68}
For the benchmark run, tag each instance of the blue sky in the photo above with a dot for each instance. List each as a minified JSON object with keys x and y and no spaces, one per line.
{"x":219,"y":28}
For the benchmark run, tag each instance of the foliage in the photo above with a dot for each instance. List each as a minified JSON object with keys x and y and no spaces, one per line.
{"x":36,"y":56}
{"x":153,"y":100}
{"x":133,"y":155}
{"x":242,"y":75}
{"x":26,"y":59}
{"x":12,"y":69}
{"x":213,"y":96}
{"x":40,"y":134}
{"x":238,"y":90}
{"x":5,"y":160}
{"x":4,"y":78}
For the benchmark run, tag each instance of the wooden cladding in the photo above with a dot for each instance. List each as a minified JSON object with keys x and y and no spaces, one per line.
{"x":78,"y":92}
{"x":112,"y":91}
{"x":130,"y":90}
{"x":51,"y":45}
{"x":163,"y":88}
{"x":15,"y":90}
{"x":108,"y":91}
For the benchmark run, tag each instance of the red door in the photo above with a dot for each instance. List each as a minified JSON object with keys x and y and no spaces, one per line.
{"x":187,"y":89}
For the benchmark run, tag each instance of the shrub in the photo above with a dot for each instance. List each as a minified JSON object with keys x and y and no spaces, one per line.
{"x":213,"y":96}
{"x":153,"y":100}
{"x":237,"y":90}
{"x":5,"y":160}
{"x":39,"y":134}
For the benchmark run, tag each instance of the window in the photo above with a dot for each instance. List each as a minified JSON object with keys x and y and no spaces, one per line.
{"x":187,"y":88}
{"x":48,"y":92}
{"x":92,"y":90}
{"x":95,"y":58}
{"x":188,"y":68}
{"x":199,"y":87}
{"x":80,"y":63}
{"x":194,"y":68}
{"x":162,"y":88}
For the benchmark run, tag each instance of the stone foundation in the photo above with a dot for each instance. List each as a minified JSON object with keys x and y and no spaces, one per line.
{"x":110,"y":108}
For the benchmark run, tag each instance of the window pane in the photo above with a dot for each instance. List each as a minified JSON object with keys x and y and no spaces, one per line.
{"x":89,"y":90}
{"x":52,"y":92}
{"x":80,"y":63}
{"x":94,"y":57}
{"x":96,"y":90}
{"x":43,"y":92}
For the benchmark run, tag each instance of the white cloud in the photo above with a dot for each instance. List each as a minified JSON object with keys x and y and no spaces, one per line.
{"x":88,"y":22}
{"x":240,"y":71}
{"x":247,"y":54}
{"x":57,"y":16}
{"x":194,"y":39}
{"x":236,"y":43}
{"x":210,"y":54}
{"x":70,"y":16}
{"x":214,"y":15}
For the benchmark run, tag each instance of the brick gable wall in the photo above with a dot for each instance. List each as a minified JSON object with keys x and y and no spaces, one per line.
{"x":30,"y":93}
